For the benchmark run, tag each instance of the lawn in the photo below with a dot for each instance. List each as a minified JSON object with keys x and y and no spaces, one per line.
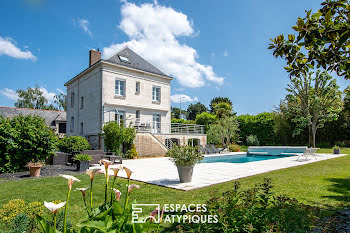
{"x":325,"y":184}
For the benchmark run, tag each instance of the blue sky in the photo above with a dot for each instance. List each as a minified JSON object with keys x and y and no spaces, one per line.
{"x":215,"y":48}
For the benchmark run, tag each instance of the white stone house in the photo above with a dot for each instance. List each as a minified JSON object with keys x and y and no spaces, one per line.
{"x":126,"y":88}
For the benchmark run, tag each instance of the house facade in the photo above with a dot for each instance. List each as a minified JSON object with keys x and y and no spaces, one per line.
{"x":124,"y":88}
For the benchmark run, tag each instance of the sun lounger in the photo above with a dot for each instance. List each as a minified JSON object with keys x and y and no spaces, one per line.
{"x":308,"y":152}
{"x":201,"y":149}
{"x":213,"y":148}
{"x":209,"y":150}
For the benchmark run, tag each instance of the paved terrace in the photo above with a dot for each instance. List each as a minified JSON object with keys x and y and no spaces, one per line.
{"x":161,"y":171}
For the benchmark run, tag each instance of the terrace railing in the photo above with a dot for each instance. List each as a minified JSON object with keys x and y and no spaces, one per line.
{"x":166,"y":128}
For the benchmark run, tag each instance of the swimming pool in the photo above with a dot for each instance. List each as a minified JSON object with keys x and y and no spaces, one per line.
{"x":240,"y":158}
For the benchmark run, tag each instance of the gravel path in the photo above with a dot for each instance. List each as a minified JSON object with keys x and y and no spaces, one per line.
{"x":48,"y":170}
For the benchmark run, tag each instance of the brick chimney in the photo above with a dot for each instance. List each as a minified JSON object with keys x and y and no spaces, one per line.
{"x":94,"y":57}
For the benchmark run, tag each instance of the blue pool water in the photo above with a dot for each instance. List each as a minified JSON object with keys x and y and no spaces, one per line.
{"x":241,"y":158}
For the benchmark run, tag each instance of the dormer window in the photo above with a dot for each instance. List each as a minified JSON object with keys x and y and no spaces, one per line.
{"x":123,"y":59}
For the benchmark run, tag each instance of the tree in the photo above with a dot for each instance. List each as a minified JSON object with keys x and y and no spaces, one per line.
{"x":347,"y":100}
{"x":33,"y":98}
{"x":205,"y":118}
{"x":323,"y":39}
{"x":116,"y":134}
{"x":176,"y":112}
{"x":222,"y":109}
{"x":217,"y":100}
{"x":313,"y":99}
{"x":61,"y":101}
{"x":194,"y":109}
{"x":224,"y":131}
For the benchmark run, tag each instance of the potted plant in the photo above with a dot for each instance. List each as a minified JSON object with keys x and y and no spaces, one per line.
{"x":336,"y":150}
{"x":83,"y":161}
{"x":34,"y":168}
{"x":185,"y":157}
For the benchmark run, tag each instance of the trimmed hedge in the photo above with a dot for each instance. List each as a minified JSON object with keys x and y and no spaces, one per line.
{"x":73,"y":143}
{"x":261,"y":125}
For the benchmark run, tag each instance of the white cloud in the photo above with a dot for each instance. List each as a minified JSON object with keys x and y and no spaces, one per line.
{"x":9,"y":93}
{"x":48,"y":95}
{"x":60,"y":91}
{"x":153,"y":31}
{"x":84,"y":24}
{"x":177,"y":98}
{"x":226,"y":53}
{"x":179,"y":89}
{"x":8,"y":47}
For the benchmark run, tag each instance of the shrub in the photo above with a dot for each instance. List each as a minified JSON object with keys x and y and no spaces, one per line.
{"x":253,"y":210}
{"x":82,"y":157}
{"x":324,"y":145}
{"x":184,"y":155}
{"x":116,"y":134}
{"x":133,"y":152}
{"x":340,"y":143}
{"x":16,"y":214}
{"x":234,"y":148}
{"x":73,"y":143}
{"x":24,"y":139}
{"x":182,"y":121}
{"x":252,"y":140}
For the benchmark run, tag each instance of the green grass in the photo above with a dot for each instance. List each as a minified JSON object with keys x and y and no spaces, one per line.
{"x":325,"y":184}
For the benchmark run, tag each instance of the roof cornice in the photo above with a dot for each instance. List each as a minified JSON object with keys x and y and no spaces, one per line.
{"x":100,"y":62}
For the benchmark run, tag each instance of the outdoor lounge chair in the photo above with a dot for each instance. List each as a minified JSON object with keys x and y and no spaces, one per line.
{"x":308,"y":152}
{"x":217,"y":151}
{"x":209,"y":150}
{"x":201,"y":149}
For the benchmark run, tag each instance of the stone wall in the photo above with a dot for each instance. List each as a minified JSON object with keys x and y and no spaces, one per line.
{"x":148,"y":146}
{"x":153,"y":145}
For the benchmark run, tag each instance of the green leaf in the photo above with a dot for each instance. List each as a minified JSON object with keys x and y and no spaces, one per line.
{"x":117,"y":209}
{"x":327,"y":17}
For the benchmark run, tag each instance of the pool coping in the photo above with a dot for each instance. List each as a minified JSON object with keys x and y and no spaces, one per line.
{"x":162,"y":172}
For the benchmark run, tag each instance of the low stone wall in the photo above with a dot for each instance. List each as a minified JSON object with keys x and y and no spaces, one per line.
{"x":149,"y":146}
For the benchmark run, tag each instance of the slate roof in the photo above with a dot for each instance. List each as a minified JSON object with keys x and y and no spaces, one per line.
{"x":135,"y":61}
{"x":48,"y":115}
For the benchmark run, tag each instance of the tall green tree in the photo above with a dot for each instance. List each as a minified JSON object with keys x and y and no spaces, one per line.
{"x":222,"y":110}
{"x":61,"y":102}
{"x":224,"y":131}
{"x":194,"y":109}
{"x":322,"y":40}
{"x":313,"y":99}
{"x":33,"y":98}
{"x":176,"y":113}
{"x":217,"y":100}
{"x":206,"y":119}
